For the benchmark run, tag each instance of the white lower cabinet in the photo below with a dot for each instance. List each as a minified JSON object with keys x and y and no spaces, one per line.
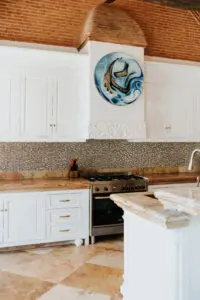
{"x":1,"y":222}
{"x":40,"y":217}
{"x":67,"y":216}
{"x":23,"y":218}
{"x":64,"y":224}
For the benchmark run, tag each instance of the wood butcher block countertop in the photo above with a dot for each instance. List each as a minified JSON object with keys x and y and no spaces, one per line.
{"x":148,"y":207}
{"x":11,"y":182}
{"x":182,"y":177}
{"x":43,"y":184}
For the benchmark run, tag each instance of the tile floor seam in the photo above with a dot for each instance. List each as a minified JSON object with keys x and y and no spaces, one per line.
{"x":65,"y":266}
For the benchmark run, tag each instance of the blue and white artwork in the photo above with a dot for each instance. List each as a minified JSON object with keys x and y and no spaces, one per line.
{"x":119,"y":78}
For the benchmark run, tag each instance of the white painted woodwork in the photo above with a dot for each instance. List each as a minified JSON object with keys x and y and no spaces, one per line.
{"x":42,"y":217}
{"x":68,"y":216}
{"x":37,"y":105}
{"x":173,"y":101}
{"x":51,"y":96}
{"x":9,"y":104}
{"x":61,"y":231}
{"x":35,"y":46}
{"x":70,"y":107}
{"x":64,"y":216}
{"x":44,"y":96}
{"x":60,"y":200}
{"x":1,"y":221}
{"x":107,"y":121}
{"x":23,"y":218}
{"x":160,"y":263}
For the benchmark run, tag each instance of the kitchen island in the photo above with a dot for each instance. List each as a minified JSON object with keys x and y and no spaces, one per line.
{"x":161,"y":244}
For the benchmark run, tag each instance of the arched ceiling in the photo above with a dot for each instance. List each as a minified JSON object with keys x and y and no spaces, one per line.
{"x":170,"y":32}
{"x":101,"y":26}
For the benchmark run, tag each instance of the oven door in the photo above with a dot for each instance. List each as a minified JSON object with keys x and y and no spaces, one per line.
{"x":105,"y":211}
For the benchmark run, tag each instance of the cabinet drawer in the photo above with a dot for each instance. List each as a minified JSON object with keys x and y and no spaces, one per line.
{"x":63,"y":231}
{"x":64,"y":200}
{"x":64,"y":216}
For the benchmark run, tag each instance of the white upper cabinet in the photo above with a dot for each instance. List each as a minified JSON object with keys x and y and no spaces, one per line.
{"x":51,"y":96}
{"x":43,"y":97}
{"x":53,"y":103}
{"x":36,"y":105}
{"x":9,"y":104}
{"x":173,"y":102}
{"x":70,"y":105}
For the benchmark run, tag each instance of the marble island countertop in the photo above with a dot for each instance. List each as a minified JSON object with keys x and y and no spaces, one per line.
{"x":170,"y":214}
{"x":185,"y":199}
{"x":31,"y":185}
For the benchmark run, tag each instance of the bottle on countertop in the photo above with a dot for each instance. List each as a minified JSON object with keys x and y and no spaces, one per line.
{"x":73,"y":168}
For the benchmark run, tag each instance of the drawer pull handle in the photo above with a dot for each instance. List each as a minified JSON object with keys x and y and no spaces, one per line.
{"x":65,"y":200}
{"x":67,"y":216}
{"x":65,"y":230}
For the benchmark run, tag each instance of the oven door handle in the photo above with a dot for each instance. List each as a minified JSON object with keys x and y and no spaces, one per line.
{"x":101,"y":197}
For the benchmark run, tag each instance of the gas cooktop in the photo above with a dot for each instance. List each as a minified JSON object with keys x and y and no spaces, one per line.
{"x":103,"y":183}
{"x":111,"y":177}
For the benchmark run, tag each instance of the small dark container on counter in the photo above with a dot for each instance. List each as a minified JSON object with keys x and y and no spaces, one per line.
{"x":73,"y":168}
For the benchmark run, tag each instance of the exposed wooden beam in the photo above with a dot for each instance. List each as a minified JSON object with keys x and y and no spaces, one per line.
{"x":196,"y":15}
{"x":109,"y":1}
{"x":184,"y":4}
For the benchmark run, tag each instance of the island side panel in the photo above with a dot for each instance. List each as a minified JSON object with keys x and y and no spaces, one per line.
{"x":189,"y":260}
{"x":151,"y":260}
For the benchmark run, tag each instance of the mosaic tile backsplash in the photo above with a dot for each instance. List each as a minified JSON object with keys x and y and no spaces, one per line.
{"x":93,"y":154}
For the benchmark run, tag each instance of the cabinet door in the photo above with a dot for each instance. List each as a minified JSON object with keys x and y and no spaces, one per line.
{"x":10,"y":105}
{"x":158,"y":112}
{"x":1,"y":221}
{"x":24,"y":218}
{"x":37,"y":106}
{"x":173,"y":102}
{"x":173,"y":112}
{"x":71,"y":106}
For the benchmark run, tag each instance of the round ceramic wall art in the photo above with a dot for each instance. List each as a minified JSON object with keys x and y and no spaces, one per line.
{"x":119,"y":78}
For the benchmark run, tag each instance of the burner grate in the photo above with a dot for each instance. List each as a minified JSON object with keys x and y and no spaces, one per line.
{"x":111,"y":177}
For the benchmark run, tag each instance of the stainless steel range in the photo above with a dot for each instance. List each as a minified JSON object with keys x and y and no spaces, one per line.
{"x":105,"y":215}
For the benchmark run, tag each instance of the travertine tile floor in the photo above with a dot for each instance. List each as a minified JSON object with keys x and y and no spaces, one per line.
{"x":63,"y":273}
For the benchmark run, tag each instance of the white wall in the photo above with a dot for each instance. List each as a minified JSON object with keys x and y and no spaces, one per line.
{"x":112,"y":121}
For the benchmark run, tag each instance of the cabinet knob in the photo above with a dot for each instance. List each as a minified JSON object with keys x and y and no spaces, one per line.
{"x":5,"y":210}
{"x":54,"y":125}
{"x":51,"y":125}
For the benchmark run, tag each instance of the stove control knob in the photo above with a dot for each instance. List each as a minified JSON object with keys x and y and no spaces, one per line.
{"x":97,"y":189}
{"x":105,"y":189}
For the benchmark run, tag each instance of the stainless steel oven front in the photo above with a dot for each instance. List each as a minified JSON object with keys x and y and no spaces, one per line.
{"x":105,"y":216}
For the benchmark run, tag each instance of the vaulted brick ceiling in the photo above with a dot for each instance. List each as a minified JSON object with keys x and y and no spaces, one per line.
{"x":170,"y":32}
